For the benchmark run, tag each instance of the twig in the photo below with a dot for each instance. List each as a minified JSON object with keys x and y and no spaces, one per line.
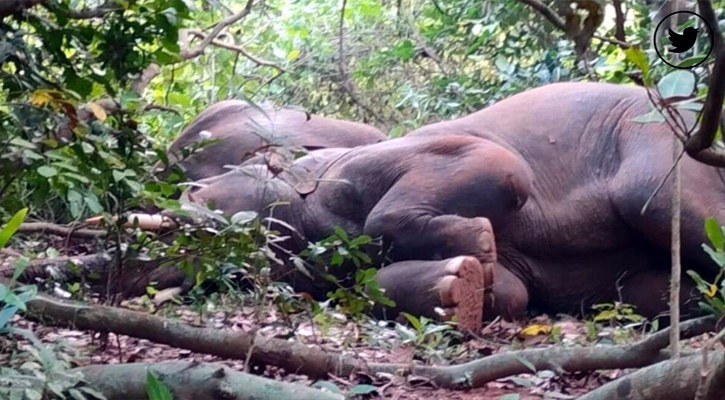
{"x":662,"y":183}
{"x":675,"y":247}
{"x":236,"y":48}
{"x":619,"y":43}
{"x":188,"y":54}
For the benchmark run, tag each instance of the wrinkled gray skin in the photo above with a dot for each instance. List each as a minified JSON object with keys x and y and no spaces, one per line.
{"x":243,"y":131}
{"x":424,"y":195}
{"x":562,"y":173}
{"x":580,"y":235}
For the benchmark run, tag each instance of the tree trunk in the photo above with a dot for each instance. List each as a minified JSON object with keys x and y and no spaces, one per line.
{"x":190,"y":380}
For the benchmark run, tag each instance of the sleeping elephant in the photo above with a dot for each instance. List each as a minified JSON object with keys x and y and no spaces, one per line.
{"x":559,"y":173}
{"x":426,"y":196}
{"x":239,"y":131}
{"x":581,"y":238}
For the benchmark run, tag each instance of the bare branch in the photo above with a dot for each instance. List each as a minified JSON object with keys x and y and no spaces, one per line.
{"x":699,"y":145}
{"x":619,"y":21}
{"x":547,"y":13}
{"x":60,"y":230}
{"x":236,"y":48}
{"x":187,"y":54}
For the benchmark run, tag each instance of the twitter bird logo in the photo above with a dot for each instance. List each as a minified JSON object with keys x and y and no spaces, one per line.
{"x":683,"y":42}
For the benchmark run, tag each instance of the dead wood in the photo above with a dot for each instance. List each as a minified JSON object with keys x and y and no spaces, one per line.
{"x":479,"y":372}
{"x":291,"y":356}
{"x":194,"y":380}
{"x":60,"y":230}
{"x":317,"y":363}
{"x":668,"y":380}
{"x":58,"y":267}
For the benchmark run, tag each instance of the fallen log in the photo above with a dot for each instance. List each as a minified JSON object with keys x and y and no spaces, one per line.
{"x":477,"y":373}
{"x":60,"y":230}
{"x":57,"y":267}
{"x":293,"y":357}
{"x":667,"y":380}
{"x":317,"y":363}
{"x":193,"y":380}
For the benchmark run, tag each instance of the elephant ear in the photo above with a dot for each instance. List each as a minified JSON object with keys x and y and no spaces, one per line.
{"x":302,"y":180}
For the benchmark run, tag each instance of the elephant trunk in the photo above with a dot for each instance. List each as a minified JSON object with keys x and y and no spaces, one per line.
{"x":149,"y":222}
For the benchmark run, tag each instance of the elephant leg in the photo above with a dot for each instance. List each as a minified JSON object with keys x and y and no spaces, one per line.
{"x":454,"y":288}
{"x":436,"y":209}
{"x":460,"y":288}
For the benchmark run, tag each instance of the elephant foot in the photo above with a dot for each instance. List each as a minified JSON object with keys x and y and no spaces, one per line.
{"x":463,"y":290}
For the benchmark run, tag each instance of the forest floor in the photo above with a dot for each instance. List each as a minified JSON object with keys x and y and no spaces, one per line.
{"x":373,"y":341}
{"x":428,"y":343}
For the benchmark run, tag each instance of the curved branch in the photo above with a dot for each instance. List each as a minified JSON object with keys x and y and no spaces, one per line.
{"x":187,"y":54}
{"x":479,"y":372}
{"x":547,"y":13}
{"x":236,"y":48}
{"x":700,"y":145}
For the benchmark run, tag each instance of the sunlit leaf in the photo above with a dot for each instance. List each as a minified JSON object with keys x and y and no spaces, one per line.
{"x":12,"y":226}
{"x":536,"y":329}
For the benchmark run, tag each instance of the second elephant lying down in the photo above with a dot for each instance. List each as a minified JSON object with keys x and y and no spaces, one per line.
{"x":428,"y":196}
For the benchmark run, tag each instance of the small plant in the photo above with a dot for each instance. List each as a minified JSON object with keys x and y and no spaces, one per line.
{"x":616,"y":313}
{"x":432,"y":340}
{"x":13,"y":298}
{"x":713,"y":293}
{"x":356,"y":294}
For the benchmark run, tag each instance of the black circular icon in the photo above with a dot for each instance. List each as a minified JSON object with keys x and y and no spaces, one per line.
{"x":683,"y":41}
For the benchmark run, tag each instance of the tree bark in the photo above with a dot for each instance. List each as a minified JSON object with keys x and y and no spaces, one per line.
{"x":669,"y":380}
{"x":189,"y":380}
{"x":293,"y":357}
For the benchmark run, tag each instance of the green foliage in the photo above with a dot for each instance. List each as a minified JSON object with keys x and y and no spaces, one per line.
{"x":713,"y":292}
{"x":37,"y":372}
{"x":156,"y":389}
{"x":616,"y":313}
{"x":13,"y":298}
{"x":430,"y":339}
{"x":336,"y":256}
